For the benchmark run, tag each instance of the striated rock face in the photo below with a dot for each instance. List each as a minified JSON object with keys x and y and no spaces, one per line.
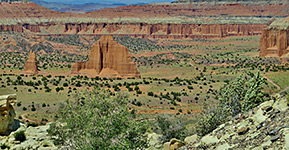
{"x":31,"y":64}
{"x":274,"y":41}
{"x":172,"y":21}
{"x":144,"y":30}
{"x":107,"y":58}
{"x":7,"y":113}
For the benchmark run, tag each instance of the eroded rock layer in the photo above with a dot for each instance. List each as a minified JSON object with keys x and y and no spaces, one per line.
{"x":107,"y":58}
{"x":274,"y":41}
{"x":173,"y":21}
{"x":143,"y":30}
{"x":31,"y":64}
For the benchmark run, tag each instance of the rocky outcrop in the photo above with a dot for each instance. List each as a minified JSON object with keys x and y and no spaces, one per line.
{"x":31,"y":64}
{"x":264,"y":127}
{"x":107,"y":58}
{"x":274,"y":40}
{"x":7,"y":113}
{"x":173,"y":144}
{"x":36,"y":138}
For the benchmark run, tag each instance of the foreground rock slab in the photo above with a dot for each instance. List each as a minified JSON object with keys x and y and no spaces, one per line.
{"x":264,"y":127}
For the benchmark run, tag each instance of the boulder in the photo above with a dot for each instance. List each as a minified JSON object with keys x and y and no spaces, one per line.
{"x":31,"y":64}
{"x":173,"y":144}
{"x":154,"y":141}
{"x":191,"y":139}
{"x":209,"y":139}
{"x":107,"y":58}
{"x":243,"y":130}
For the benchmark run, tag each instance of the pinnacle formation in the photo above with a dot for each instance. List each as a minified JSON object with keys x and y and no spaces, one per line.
{"x":107,"y":58}
{"x":31,"y":64}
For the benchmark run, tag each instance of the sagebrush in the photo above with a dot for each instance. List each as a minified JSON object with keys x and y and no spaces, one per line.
{"x":96,"y":120}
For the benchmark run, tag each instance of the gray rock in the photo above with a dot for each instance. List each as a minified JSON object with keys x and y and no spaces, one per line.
{"x":287,"y":141}
{"x":209,"y":139}
{"x":259,"y":117}
{"x":281,"y":104}
{"x":154,"y":141}
{"x":275,"y":138}
{"x":191,"y":139}
{"x":225,"y":146}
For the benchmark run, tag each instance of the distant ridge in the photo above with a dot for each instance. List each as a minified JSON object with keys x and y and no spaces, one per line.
{"x":232,"y":1}
{"x":75,"y":8}
{"x":14,"y":1}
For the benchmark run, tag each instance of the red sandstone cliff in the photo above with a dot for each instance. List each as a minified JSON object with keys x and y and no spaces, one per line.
{"x":107,"y":58}
{"x":33,"y":18}
{"x":143,"y":30}
{"x":31,"y":64}
{"x":274,"y":40}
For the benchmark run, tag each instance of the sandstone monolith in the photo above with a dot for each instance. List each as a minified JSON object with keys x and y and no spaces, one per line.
{"x":31,"y":64}
{"x":107,"y":58}
{"x":274,"y":40}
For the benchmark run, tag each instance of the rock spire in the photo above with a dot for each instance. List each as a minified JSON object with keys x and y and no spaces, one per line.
{"x":31,"y":64}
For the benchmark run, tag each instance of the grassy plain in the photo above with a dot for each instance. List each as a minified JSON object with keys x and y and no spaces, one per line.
{"x":178,"y":76}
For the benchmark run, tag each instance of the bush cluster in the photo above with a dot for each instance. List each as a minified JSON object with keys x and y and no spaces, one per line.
{"x":97,"y":120}
{"x":235,"y":97}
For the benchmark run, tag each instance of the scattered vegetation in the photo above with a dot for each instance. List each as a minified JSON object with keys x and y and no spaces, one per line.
{"x":97,"y":120}
{"x":170,"y":128}
{"x":235,"y":97}
{"x":20,"y":136}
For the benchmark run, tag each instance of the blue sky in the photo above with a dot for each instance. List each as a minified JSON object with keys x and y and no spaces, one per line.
{"x":108,"y":1}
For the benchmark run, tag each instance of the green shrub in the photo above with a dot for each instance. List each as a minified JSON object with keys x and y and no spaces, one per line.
{"x":33,"y":109}
{"x":32,"y":124}
{"x":170,"y":128}
{"x":4,"y":146}
{"x":98,"y":121}
{"x":18,"y":104}
{"x":20,"y":136}
{"x":235,"y":97}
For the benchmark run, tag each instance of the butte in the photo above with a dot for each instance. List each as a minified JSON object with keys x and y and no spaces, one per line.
{"x":107,"y":58}
{"x":31,"y":64}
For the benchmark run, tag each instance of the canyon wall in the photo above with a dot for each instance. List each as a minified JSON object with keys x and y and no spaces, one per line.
{"x":172,"y":21}
{"x":142,"y":30}
{"x":107,"y":58}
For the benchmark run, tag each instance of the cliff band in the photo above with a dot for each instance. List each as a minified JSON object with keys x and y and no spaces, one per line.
{"x":173,"y":21}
